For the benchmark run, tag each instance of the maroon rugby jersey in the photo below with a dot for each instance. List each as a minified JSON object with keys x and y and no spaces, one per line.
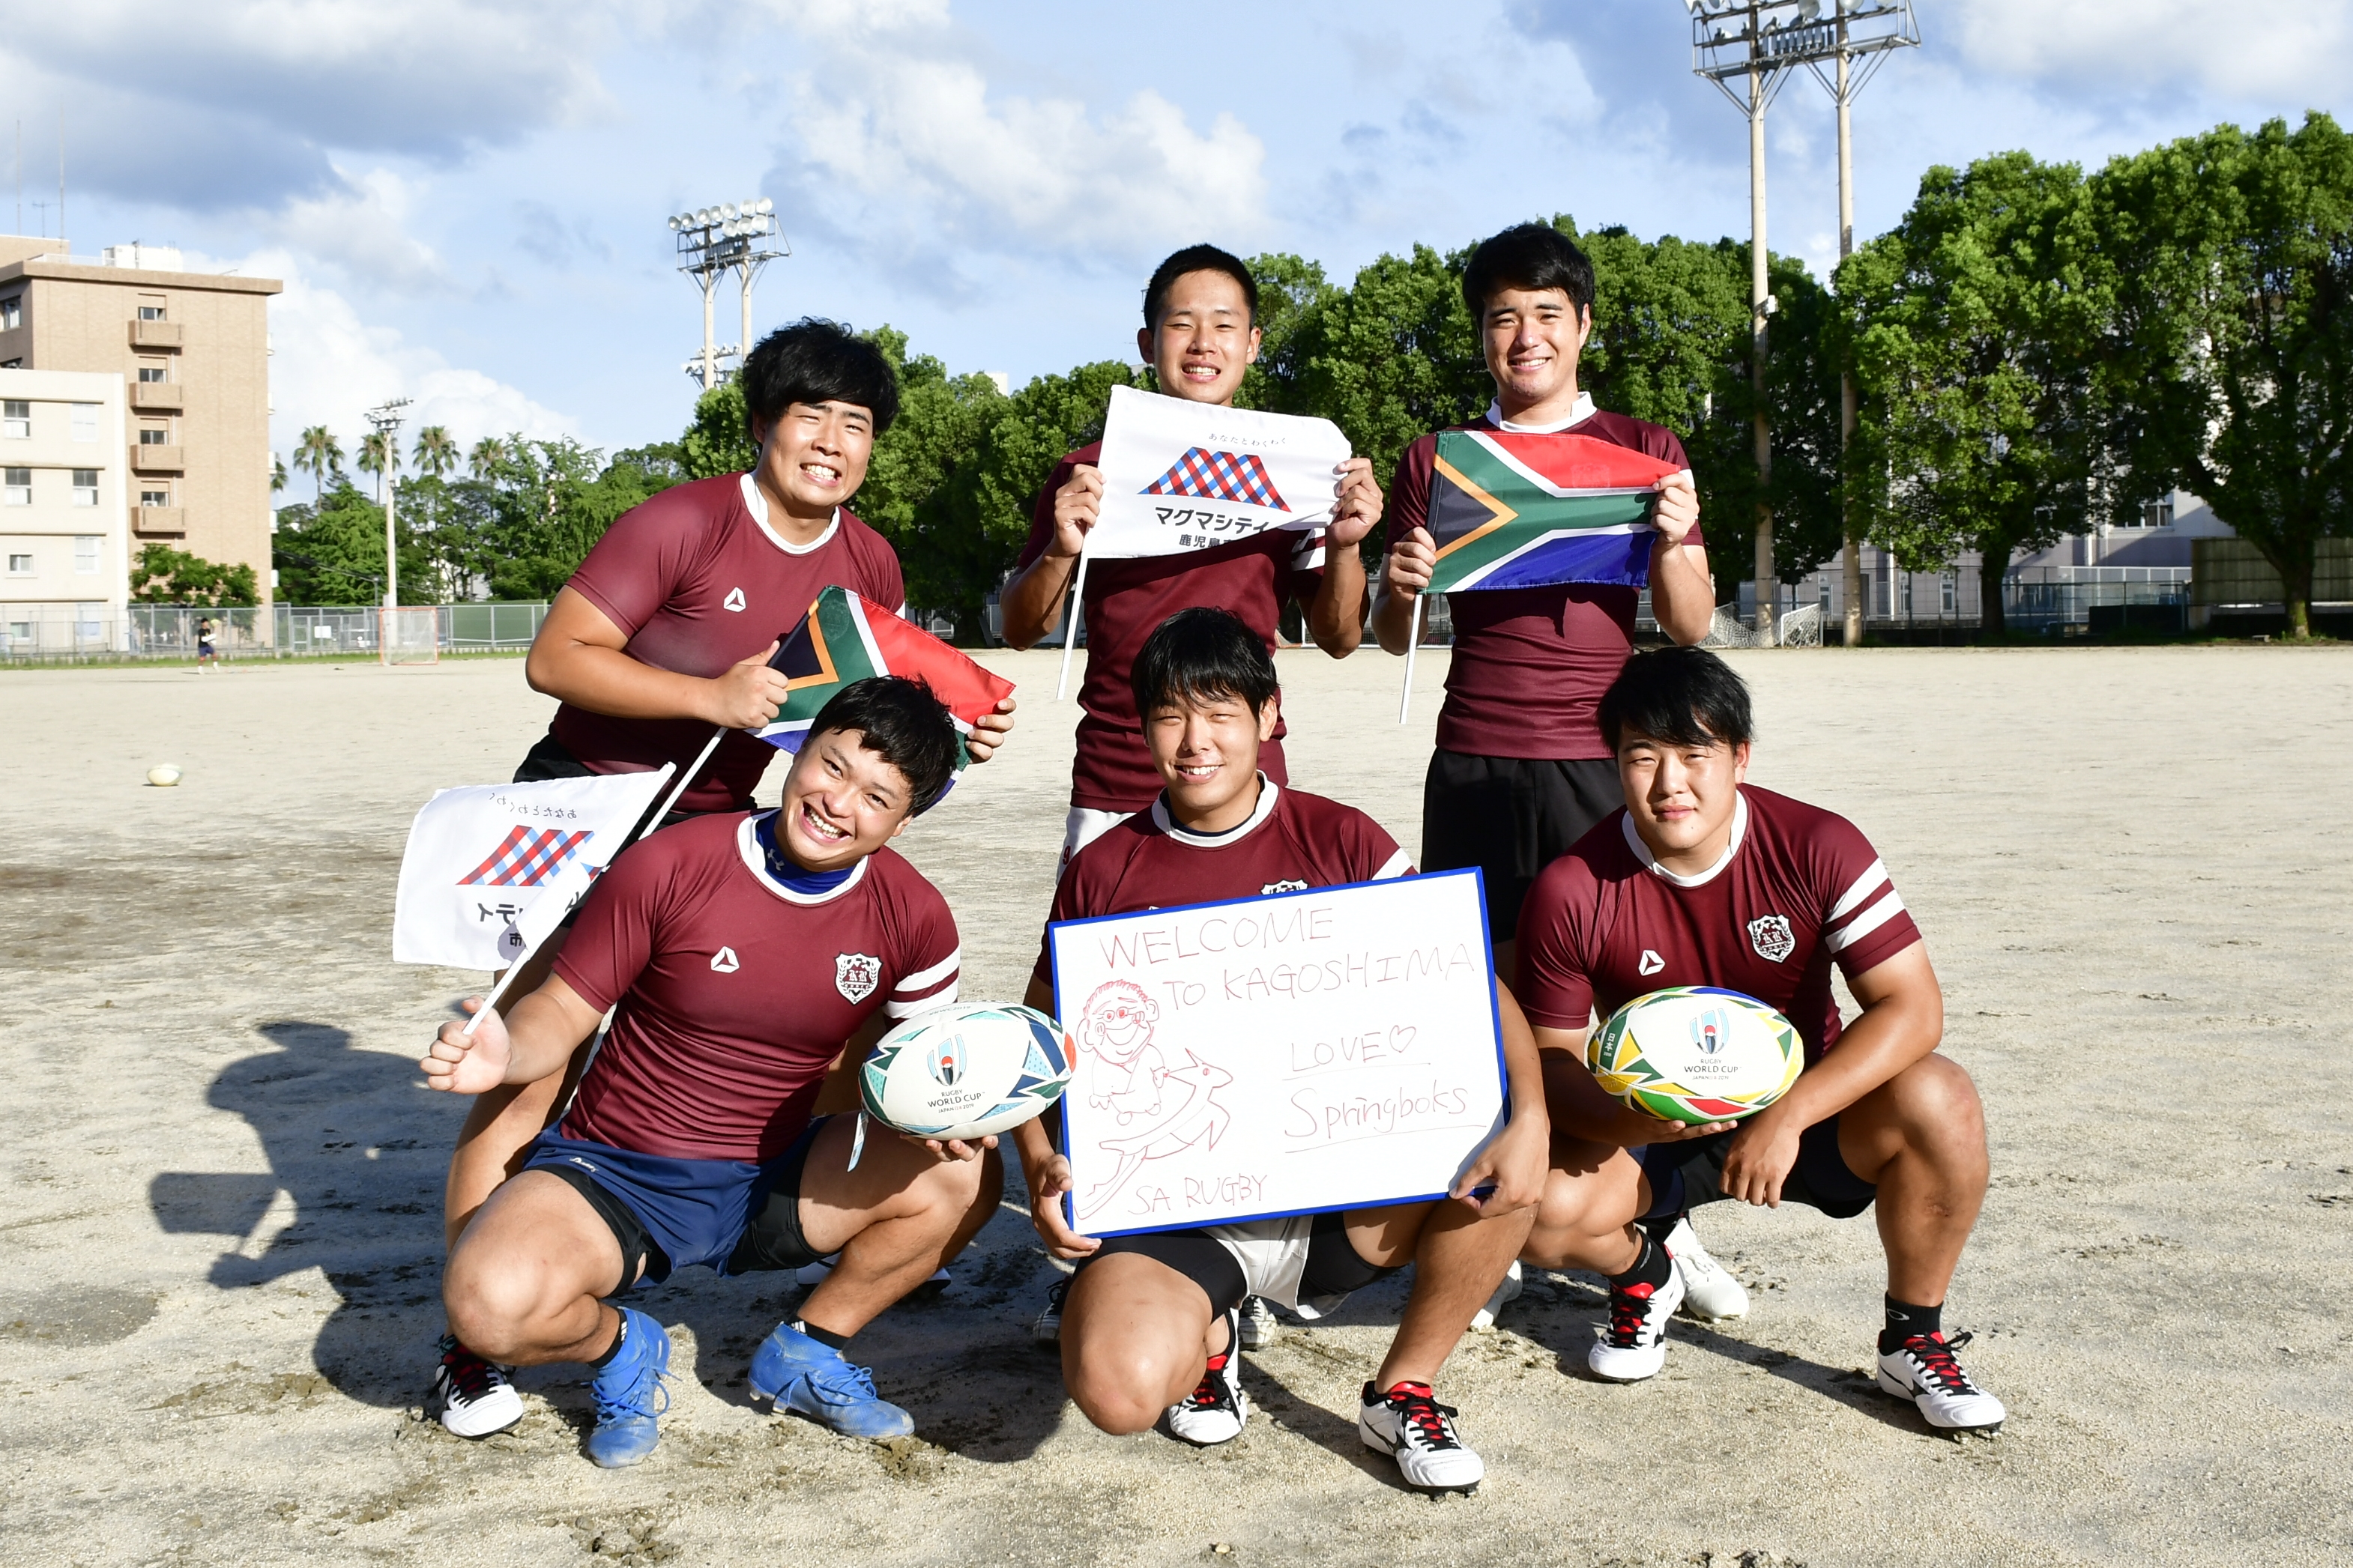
{"x":1530,"y":664}
{"x":1127,"y":600}
{"x":735,"y":992}
{"x":1798,"y":889}
{"x":698,"y":582}
{"x":1292,"y":840}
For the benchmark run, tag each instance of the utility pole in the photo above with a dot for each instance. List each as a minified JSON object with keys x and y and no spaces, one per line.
{"x":715,"y":241}
{"x":1760,"y":311}
{"x":387,"y":418}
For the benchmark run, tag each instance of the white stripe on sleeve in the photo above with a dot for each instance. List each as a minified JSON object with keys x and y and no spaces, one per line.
{"x":924,"y":977}
{"x":1396,"y":864}
{"x":1870,"y":920}
{"x":895,"y":1008}
{"x":1865,"y":886}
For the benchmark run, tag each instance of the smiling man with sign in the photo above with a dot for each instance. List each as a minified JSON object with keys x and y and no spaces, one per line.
{"x":1150,"y":1327}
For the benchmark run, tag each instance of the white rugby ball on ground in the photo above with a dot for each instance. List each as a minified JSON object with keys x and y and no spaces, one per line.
{"x":966,"y":1071}
{"x":164,"y":775}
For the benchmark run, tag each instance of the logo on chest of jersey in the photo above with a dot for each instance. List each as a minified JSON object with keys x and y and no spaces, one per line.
{"x":1771,"y":937}
{"x":1651,"y":963}
{"x":855,"y":974}
{"x":1293,"y":885}
{"x":724,"y":962}
{"x":733,"y":601}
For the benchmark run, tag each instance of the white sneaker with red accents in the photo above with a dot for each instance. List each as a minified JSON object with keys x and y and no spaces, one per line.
{"x":1216,"y":1409}
{"x":475,"y":1398}
{"x":1634,"y":1344}
{"x":1708,"y":1290}
{"x":1409,"y":1426}
{"x":1924,"y":1371}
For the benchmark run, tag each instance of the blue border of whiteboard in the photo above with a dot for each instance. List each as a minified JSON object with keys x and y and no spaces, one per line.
{"x":1494,"y":1026}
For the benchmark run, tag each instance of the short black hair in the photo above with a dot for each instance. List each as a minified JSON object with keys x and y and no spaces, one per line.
{"x":815,"y":361}
{"x":1197,"y":258}
{"x":900,"y":720}
{"x":1527,"y":255}
{"x":1202,"y":655}
{"x":1684,"y":696}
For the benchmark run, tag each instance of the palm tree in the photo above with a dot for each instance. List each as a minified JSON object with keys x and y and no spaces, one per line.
{"x":277,"y":473}
{"x":434,"y":453}
{"x":380,"y":456}
{"x":488,"y":453}
{"x":319,"y":451}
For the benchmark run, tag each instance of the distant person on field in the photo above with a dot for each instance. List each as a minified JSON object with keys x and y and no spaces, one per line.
{"x":665,"y":631}
{"x":1521,"y":771}
{"x":1704,"y":879}
{"x":1199,"y":335}
{"x":720,"y":946}
{"x":207,"y":657}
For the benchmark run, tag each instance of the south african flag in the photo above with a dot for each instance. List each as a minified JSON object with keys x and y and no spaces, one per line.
{"x":1513,"y":511}
{"x":847,"y":636}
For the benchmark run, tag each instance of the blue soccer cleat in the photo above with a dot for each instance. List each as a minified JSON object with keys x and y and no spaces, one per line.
{"x":629,"y":1393}
{"x":805,"y":1376}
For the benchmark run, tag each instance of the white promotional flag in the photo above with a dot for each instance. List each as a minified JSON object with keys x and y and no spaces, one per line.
{"x":482,"y":858}
{"x":1185,"y":476}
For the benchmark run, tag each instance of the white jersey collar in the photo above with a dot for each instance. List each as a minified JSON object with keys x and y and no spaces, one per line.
{"x":1699,"y":879}
{"x":1268,"y":792}
{"x":747,"y":844}
{"x":1583,"y":411}
{"x":758,"y":505}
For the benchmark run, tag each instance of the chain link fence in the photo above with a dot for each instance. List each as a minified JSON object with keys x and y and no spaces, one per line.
{"x":67,"y":634}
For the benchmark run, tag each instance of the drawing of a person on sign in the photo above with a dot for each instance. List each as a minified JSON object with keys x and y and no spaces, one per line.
{"x":1168,"y":1111}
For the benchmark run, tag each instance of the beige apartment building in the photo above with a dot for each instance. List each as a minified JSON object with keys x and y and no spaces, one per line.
{"x":64,"y":481}
{"x":192,"y":351}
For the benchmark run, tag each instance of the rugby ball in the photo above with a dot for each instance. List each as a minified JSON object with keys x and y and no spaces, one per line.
{"x":1695,"y":1054}
{"x":966,"y":1071}
{"x":164,"y":775}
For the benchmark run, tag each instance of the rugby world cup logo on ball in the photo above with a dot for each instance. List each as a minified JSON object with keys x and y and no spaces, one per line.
{"x":1696,"y":1053}
{"x":966,"y":1071}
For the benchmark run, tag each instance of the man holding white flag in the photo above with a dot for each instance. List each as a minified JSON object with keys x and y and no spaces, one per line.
{"x":1183,"y":506}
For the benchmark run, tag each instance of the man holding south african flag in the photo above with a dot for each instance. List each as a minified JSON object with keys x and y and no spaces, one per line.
{"x":1542,"y":523}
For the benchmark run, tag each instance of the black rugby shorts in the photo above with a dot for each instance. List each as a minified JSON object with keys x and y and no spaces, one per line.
{"x":1510,"y":816}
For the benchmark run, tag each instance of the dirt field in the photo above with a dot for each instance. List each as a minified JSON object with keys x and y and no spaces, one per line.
{"x":219,"y":1238}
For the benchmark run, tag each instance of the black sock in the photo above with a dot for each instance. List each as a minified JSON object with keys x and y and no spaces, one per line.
{"x":1905,"y":1320}
{"x":825,"y":1337}
{"x":620,"y":1334}
{"x":1657,"y":1229}
{"x":1654,"y":1268}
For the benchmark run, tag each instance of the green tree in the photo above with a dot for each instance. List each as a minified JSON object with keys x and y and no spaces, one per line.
{"x":907,"y":494}
{"x":2232,"y":361}
{"x":715,"y":441}
{"x":436,"y":454}
{"x":488,"y":453}
{"x":163,"y":575}
{"x":277,"y":473}
{"x":1292,"y":293}
{"x":1977,"y":322}
{"x":331,"y":552}
{"x":380,"y":456}
{"x":318,"y":451}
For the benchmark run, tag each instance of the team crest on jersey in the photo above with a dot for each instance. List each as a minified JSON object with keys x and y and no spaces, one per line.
{"x":1293,"y":886}
{"x":733,"y":601}
{"x":1770,"y":936}
{"x":855,"y":974}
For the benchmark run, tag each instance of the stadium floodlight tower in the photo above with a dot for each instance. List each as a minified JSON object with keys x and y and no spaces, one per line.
{"x":714,"y":241}
{"x":387,"y":418}
{"x":1759,"y":42}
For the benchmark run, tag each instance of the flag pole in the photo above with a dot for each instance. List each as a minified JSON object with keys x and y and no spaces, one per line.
{"x":1071,"y":622}
{"x":645,"y":825}
{"x":1412,"y":642}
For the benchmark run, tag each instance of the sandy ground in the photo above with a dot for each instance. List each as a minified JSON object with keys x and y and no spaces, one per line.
{"x":220,"y":1241}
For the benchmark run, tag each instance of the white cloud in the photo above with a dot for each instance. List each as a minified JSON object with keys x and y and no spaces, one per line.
{"x":2250,"y":50}
{"x":359,"y":229}
{"x":900,"y":145}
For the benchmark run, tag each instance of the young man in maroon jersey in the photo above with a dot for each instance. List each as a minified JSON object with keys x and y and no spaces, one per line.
{"x":1521,"y":772}
{"x":1199,"y":335}
{"x":664,"y":632}
{"x":744,"y":956}
{"x":1150,"y":1325}
{"x":1703,"y":880}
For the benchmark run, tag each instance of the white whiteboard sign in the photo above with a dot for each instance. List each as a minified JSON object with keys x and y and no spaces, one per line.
{"x":1333,"y":1048}
{"x":1182,"y":476}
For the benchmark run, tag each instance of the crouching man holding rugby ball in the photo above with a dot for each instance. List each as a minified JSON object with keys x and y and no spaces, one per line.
{"x":739,"y":953}
{"x":1150,"y":1326}
{"x":1705,"y":881}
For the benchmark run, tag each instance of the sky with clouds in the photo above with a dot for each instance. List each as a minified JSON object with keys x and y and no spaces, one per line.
{"x":466,"y":200}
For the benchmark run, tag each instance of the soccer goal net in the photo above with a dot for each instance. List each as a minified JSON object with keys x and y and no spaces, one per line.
{"x":409,"y":635}
{"x":1801,"y":627}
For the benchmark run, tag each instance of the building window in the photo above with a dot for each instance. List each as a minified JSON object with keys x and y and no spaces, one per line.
{"x":2156,"y":514}
{"x":1908,"y":594}
{"x":151,"y":312}
{"x":1822,"y":593}
{"x":85,"y":489}
{"x":149,"y":436}
{"x":1949,"y":595}
{"x":12,"y":312}
{"x":88,"y":626}
{"x":16,"y":420}
{"x":19,"y":491}
{"x":150,"y":374}
{"x":20,"y":565}
{"x":86,"y":555}
{"x":85,"y":421}
{"x":154,"y":497}
{"x":21,"y":629}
